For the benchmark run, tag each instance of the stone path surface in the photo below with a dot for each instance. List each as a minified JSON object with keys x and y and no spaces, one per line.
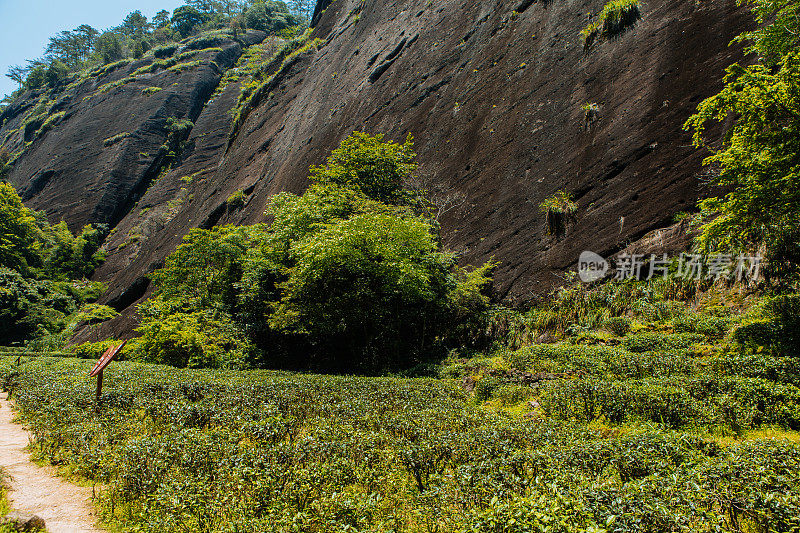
{"x":65,"y":507}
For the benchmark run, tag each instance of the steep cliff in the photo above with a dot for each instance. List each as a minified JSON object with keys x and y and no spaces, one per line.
{"x":492,"y":92}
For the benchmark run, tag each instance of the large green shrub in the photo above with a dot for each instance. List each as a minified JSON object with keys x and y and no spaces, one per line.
{"x":19,"y":232}
{"x":347,"y":276}
{"x":377,"y":168}
{"x":194,"y":340}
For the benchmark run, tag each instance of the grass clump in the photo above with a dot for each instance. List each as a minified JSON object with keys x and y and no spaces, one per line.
{"x":116,"y":138}
{"x":591,"y":112}
{"x":559,"y":210}
{"x":262,"y":81}
{"x":616,"y":17}
{"x":147,"y":91}
{"x":236,"y":200}
{"x":48,"y":123}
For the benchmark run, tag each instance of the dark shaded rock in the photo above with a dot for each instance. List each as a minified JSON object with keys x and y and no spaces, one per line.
{"x":21,"y":522}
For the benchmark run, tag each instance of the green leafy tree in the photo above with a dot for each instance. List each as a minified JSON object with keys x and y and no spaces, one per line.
{"x":340,"y":279}
{"x":207,"y":7}
{"x":135,"y":25}
{"x":37,"y":261}
{"x":56,"y":74}
{"x":377,"y":168}
{"x":72,"y":48}
{"x":161,"y":19}
{"x":72,"y":257}
{"x":201,"y":273}
{"x":302,"y":8}
{"x":17,"y":74}
{"x":758,"y":157}
{"x":369,"y":291}
{"x":109,"y":48}
{"x":19,"y":233}
{"x":36,"y":75}
{"x":186,"y":18}
{"x":31,"y":307}
{"x":269,"y":16}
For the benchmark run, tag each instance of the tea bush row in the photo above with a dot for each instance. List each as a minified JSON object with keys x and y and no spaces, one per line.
{"x":193,"y":450}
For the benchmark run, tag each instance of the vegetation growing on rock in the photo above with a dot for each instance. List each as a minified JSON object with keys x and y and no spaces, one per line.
{"x":85,"y":48}
{"x":559,"y":210}
{"x":616,"y":17}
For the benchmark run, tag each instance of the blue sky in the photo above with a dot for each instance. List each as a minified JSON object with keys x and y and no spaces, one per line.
{"x":26,"y":25}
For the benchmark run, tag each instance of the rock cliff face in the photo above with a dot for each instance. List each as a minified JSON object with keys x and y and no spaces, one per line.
{"x":491,"y":91}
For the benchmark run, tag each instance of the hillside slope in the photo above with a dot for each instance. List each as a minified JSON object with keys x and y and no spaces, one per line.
{"x":491,"y":91}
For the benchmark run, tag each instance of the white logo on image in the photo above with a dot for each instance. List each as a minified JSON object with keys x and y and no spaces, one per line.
{"x":591,"y":267}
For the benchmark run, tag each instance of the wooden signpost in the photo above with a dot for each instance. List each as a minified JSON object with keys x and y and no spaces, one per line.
{"x":97,"y":371}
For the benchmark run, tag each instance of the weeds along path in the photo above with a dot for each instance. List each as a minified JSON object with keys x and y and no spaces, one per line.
{"x":64,"y":507}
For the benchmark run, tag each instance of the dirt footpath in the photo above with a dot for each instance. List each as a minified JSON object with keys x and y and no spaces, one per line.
{"x":65,"y":508}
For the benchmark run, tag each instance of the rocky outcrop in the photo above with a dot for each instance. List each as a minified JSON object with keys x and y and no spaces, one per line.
{"x":491,"y":91}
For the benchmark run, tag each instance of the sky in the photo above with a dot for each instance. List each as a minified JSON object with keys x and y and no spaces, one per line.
{"x":27,"y":25}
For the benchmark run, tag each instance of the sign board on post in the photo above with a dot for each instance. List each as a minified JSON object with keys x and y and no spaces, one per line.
{"x":104,"y":361}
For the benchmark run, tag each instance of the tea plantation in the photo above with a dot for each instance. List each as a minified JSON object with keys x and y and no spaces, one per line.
{"x":677,"y":423}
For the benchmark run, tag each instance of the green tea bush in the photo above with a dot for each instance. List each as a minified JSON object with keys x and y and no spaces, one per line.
{"x":200,"y":450}
{"x":485,"y":387}
{"x":764,"y":365}
{"x":93,"y":350}
{"x":643,"y":364}
{"x":710,"y":326}
{"x":563,"y":357}
{"x":510,"y":394}
{"x":618,"y":325}
{"x":656,"y":310}
{"x":650,"y":342}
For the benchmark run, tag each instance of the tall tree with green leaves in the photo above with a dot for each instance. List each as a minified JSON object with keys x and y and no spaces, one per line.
{"x":19,"y":234}
{"x":186,"y":18}
{"x":348,"y":276}
{"x":135,"y":25}
{"x":758,"y":157}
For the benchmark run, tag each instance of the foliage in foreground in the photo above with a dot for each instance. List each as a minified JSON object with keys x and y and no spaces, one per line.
{"x":230,"y":451}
